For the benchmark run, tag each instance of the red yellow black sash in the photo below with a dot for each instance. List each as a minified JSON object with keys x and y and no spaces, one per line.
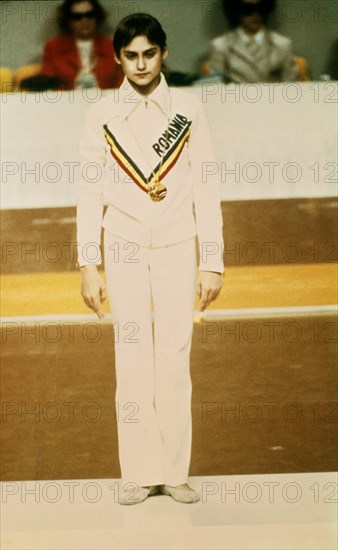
{"x":162,"y":168}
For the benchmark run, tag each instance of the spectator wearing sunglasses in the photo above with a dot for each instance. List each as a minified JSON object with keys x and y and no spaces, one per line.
{"x":80,"y":57}
{"x":250,"y":52}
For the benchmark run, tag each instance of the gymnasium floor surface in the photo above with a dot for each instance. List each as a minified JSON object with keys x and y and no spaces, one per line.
{"x":263,"y":366}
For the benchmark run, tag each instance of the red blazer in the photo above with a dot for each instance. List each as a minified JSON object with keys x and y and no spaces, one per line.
{"x":61,"y":59}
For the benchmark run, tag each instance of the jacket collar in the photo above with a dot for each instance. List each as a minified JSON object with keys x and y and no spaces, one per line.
{"x":258,"y":38}
{"x":129,"y":98}
{"x":68,"y":42}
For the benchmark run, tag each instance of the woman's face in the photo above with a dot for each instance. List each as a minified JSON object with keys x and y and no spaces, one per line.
{"x":251,"y":16}
{"x":83,"y":20}
{"x":141,"y":62}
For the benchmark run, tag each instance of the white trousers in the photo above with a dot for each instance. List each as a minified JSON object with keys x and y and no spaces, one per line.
{"x":153,"y":384}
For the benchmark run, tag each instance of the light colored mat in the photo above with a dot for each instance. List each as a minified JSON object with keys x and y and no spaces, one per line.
{"x":243,"y":287}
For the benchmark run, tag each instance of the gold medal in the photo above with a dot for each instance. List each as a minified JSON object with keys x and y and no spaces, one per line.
{"x":157,"y":191}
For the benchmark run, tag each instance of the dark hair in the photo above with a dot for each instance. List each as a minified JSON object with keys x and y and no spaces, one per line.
{"x":232,"y":9}
{"x":138,"y":24}
{"x":66,"y":8}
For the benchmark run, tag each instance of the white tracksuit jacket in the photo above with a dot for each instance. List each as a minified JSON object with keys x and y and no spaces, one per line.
{"x":125,"y":136}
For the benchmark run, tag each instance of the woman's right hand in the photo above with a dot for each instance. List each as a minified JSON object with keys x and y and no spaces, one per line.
{"x":93,"y":289}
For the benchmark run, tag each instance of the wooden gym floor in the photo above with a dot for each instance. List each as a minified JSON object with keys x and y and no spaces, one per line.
{"x":263,"y":360}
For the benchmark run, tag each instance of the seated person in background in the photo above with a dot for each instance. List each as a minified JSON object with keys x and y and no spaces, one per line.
{"x":332,"y":64}
{"x":81,"y":57}
{"x":251,"y":52}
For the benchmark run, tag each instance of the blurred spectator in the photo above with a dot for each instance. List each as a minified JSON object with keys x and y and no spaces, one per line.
{"x":332,"y":64}
{"x":80,"y":57}
{"x":250,"y":52}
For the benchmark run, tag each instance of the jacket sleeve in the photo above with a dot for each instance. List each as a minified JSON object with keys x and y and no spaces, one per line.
{"x":47,"y":62}
{"x":289,"y":69}
{"x":206,"y":194}
{"x":216,"y":61}
{"x":108,"y":72}
{"x":90,"y":188}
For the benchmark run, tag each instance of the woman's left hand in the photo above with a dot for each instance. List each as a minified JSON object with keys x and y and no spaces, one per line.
{"x":209,"y":285}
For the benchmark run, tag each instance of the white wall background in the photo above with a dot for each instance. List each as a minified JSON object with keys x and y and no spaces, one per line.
{"x":271,"y":141}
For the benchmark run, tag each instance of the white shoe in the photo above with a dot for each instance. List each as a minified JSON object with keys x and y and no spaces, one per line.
{"x":136,"y":495}
{"x":181,"y":493}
